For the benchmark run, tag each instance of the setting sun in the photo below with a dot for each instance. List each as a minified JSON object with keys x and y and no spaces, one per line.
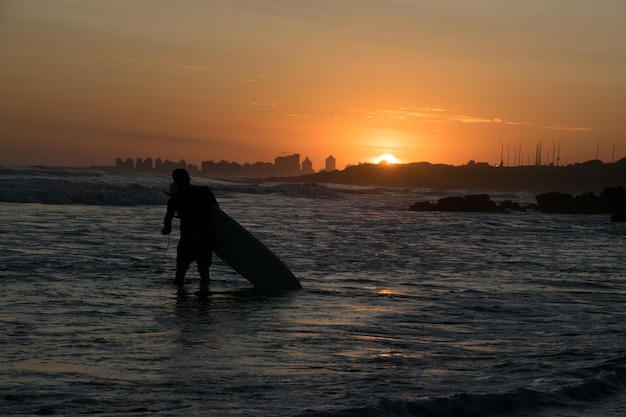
{"x":387,"y":159}
{"x":229,"y":92}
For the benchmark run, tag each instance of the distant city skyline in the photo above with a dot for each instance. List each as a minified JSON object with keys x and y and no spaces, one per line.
{"x":283,"y":166}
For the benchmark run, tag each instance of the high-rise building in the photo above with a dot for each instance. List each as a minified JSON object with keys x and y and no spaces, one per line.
{"x":307,"y":166}
{"x":330,"y":164}
{"x":287,"y":166}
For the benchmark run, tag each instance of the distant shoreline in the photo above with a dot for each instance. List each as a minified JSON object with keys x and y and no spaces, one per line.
{"x":592,"y":176}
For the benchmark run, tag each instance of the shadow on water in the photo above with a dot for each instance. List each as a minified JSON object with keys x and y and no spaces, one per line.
{"x":249,"y":297}
{"x":248,"y":301}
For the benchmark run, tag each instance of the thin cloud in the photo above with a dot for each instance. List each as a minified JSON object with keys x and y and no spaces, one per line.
{"x":227,"y":74}
{"x":436,"y":115}
{"x":263,"y":105}
{"x":115,"y":57}
{"x":473,"y":119}
{"x":567,"y":128}
{"x":192,"y":67}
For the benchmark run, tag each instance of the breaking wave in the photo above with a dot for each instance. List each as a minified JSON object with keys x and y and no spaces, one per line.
{"x":600,"y":382}
{"x":108,"y":187}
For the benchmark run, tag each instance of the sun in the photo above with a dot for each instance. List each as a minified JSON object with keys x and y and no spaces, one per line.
{"x":387,"y":159}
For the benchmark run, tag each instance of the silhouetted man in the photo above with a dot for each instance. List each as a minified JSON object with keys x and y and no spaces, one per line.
{"x":192,"y":204}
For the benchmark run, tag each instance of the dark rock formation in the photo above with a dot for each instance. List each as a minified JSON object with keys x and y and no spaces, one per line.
{"x":423,"y":206}
{"x":509,"y":205}
{"x":554,"y":202}
{"x":573,"y":179}
{"x":611,"y":200}
{"x":468,"y":203}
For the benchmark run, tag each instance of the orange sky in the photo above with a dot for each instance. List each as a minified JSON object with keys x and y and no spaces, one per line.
{"x":85,"y":81}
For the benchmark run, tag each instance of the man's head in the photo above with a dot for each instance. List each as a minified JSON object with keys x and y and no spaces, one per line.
{"x":181,"y":177}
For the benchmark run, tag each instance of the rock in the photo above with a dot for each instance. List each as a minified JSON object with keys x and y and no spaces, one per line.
{"x":611,"y":200}
{"x":480,"y":202}
{"x":422,"y":206}
{"x":509,"y":205}
{"x":469,"y":203}
{"x":555,"y":203}
{"x":451,"y":204}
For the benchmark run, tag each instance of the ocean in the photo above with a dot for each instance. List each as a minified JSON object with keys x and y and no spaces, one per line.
{"x":401,"y":313}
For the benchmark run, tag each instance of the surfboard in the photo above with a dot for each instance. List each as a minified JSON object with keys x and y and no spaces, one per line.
{"x":248,"y":256}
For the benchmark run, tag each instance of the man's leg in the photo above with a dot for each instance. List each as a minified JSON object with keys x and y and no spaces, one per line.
{"x":204,"y":263}
{"x":183,"y":260}
{"x":205,"y":280}
{"x":179,"y":279}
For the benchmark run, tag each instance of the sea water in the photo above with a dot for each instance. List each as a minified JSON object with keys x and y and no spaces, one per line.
{"x":401,"y":313}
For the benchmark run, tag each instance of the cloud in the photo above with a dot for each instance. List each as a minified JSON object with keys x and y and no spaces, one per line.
{"x":435,"y":115}
{"x":474,"y":119}
{"x":116,"y":57}
{"x":440,"y":115}
{"x":567,"y":128}
{"x":229,"y":75}
{"x":192,"y":67}
{"x":263,"y":105}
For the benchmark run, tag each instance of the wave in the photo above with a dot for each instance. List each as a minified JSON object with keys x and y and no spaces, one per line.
{"x":91,"y":186}
{"x":45,"y":191}
{"x":107,"y":186}
{"x":598,"y":383}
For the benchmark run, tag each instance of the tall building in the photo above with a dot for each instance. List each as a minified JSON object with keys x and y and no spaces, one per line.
{"x":330,"y":164}
{"x":287,"y":166}
{"x":143,"y":164}
{"x":128,"y":164}
{"x":307,"y":166}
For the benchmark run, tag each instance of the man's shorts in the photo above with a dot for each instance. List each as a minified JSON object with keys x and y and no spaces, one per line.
{"x":195,"y":247}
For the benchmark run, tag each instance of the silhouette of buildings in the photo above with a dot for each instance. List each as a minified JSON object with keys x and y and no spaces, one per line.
{"x":127,"y":165}
{"x":283,"y":166}
{"x":143,"y":165}
{"x":287,"y":166}
{"x":331,"y":164}
{"x":307,"y":166}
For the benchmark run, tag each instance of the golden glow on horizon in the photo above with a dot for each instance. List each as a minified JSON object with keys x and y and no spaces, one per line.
{"x":85,"y":85}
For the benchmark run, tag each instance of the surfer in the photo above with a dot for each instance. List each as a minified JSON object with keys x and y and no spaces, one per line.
{"x":192,"y":204}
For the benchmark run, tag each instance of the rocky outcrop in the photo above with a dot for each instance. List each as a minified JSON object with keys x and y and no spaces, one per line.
{"x":554,"y":202}
{"x":575,"y":179}
{"x":611,"y":200}
{"x":469,"y":203}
